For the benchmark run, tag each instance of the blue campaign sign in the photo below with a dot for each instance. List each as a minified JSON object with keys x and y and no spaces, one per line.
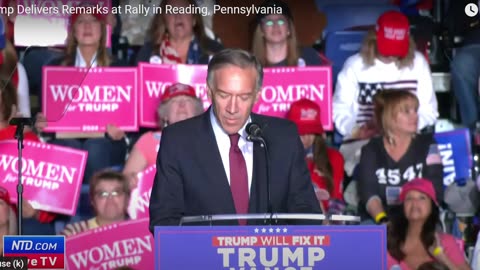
{"x":454,"y":147}
{"x":339,"y":247}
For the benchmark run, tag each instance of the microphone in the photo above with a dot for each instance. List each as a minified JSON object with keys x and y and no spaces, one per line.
{"x":20,"y":123}
{"x":254,"y":132}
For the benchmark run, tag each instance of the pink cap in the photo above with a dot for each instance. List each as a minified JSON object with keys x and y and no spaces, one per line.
{"x":419,"y":184}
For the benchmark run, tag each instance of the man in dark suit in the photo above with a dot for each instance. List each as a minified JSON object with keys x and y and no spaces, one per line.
{"x":206,"y":166}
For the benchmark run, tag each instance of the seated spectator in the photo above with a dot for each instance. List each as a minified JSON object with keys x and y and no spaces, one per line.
{"x":177,"y":38}
{"x":412,"y":236}
{"x":275,"y":41}
{"x":86,"y":47}
{"x":178,"y":102}
{"x":8,"y":216}
{"x":387,"y":60}
{"x":109,"y":193}
{"x":399,"y":155}
{"x":325,"y":164}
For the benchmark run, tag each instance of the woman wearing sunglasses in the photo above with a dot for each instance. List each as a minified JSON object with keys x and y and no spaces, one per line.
{"x":275,"y":42}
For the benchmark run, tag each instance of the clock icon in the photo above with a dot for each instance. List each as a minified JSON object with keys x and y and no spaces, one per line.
{"x":471,"y":10}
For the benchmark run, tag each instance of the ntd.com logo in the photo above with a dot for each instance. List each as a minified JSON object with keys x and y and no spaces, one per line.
{"x":43,"y":252}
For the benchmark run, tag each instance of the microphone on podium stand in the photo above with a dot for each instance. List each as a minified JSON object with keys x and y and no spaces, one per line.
{"x":20,"y":123}
{"x":254,"y":134}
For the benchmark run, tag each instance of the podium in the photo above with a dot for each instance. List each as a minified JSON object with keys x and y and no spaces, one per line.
{"x":211,"y":219}
{"x":272,"y":247}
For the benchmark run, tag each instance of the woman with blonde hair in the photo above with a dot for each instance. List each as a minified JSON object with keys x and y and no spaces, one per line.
{"x":177,"y":38}
{"x":86,"y":48}
{"x":388,"y":59}
{"x":275,"y":41}
{"x":395,"y":157}
{"x":86,"y":44}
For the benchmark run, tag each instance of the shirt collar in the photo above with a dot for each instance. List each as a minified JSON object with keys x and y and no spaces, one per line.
{"x":80,"y":61}
{"x":219,"y":130}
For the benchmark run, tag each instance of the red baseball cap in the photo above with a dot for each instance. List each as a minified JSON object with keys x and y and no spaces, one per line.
{"x":393,"y":34}
{"x":98,"y":15}
{"x":306,"y":115}
{"x":178,"y":89}
{"x":419,"y":184}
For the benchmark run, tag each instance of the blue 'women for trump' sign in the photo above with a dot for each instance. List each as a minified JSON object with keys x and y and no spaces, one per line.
{"x":271,"y":247}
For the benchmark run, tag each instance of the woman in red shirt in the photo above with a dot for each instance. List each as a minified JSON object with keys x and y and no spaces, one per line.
{"x":324,"y":163}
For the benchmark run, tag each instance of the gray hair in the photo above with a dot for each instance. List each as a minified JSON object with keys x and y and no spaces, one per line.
{"x":234,"y":57}
{"x":164,"y":107}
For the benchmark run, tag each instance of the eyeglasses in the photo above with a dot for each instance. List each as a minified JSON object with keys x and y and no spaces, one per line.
{"x":270,"y":23}
{"x":106,"y":194}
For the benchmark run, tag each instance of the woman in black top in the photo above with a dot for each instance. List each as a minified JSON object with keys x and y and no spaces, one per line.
{"x":397,"y":156}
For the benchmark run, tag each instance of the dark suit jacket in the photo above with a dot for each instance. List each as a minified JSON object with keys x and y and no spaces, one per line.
{"x":191,"y":180}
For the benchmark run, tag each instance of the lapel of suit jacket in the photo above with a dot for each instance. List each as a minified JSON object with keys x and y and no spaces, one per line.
{"x":211,"y":161}
{"x":258,"y":191}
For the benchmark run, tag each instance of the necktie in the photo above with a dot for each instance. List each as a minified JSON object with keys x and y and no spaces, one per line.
{"x":238,"y":177}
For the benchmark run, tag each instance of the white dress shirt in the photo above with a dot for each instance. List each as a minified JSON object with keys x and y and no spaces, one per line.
{"x":80,"y":61}
{"x":223,"y":143}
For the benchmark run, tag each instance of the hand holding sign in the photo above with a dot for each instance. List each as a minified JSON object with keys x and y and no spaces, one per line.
{"x":40,"y":122}
{"x":52,"y":175}
{"x":126,"y":243}
{"x":140,"y":196}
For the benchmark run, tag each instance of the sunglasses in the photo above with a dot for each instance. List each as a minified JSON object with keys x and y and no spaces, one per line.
{"x":270,"y":23}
